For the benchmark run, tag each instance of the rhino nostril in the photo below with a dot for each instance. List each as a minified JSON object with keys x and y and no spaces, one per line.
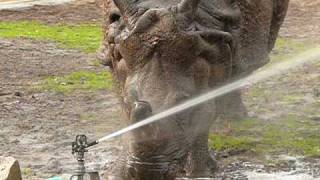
{"x":143,"y":105}
{"x":114,"y":16}
{"x":141,"y":110}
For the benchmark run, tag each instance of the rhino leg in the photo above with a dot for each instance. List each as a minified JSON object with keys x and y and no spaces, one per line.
{"x":231,"y":106}
{"x":200,"y":163}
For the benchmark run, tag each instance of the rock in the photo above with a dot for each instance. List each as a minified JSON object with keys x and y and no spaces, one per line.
{"x":15,"y":141}
{"x":9,"y":169}
{"x":19,"y":94}
{"x":316,"y":92}
{"x":5,"y":93}
{"x":315,"y":118}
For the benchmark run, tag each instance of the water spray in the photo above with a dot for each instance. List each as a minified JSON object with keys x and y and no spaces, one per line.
{"x":276,"y":69}
{"x":80,"y":146}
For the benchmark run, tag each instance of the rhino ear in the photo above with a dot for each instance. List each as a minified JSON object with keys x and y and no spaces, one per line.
{"x":188,"y":6}
{"x":127,"y":7}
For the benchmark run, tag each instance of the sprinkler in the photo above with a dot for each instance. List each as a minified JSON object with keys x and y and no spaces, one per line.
{"x":79,"y":148}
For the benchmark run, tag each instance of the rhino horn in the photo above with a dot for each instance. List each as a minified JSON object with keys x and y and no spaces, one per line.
{"x":188,"y":6}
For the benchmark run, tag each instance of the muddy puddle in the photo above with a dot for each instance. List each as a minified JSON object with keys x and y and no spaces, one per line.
{"x":278,"y":176}
{"x":19,"y":4}
{"x":296,"y":170}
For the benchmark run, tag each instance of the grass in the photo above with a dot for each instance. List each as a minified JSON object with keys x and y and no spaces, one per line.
{"x":293,"y":136}
{"x":88,"y":117}
{"x":294,"y":133}
{"x":27,"y":172}
{"x":292,"y":98}
{"x":221,"y":142}
{"x":288,"y":48}
{"x":96,"y":63}
{"x":256,"y":92}
{"x":80,"y":81}
{"x":86,"y":37}
{"x":289,"y":135}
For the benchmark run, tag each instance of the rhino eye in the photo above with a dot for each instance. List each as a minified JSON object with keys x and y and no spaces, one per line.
{"x":114,"y":16}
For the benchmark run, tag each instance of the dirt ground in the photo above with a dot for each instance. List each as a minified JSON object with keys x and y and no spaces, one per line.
{"x":303,"y":20}
{"x":80,"y":11}
{"x":37,"y":127}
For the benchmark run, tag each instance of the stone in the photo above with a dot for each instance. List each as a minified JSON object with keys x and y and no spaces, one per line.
{"x":315,"y":118}
{"x":9,"y":169}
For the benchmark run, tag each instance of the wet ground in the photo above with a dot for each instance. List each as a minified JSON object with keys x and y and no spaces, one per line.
{"x":38,"y":126}
{"x":20,"y":4}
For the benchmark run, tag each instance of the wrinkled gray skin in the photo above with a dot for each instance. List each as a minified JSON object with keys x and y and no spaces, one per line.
{"x":163,"y":52}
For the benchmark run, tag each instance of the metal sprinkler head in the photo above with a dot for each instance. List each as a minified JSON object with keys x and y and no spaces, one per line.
{"x":79,"y":148}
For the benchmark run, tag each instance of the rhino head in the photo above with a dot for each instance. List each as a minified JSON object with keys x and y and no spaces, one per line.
{"x":163,"y":53}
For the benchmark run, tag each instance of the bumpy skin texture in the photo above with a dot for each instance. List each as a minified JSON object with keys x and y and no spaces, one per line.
{"x":163,"y":52}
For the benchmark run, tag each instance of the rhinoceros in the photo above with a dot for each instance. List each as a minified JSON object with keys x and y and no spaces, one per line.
{"x":164,"y":52}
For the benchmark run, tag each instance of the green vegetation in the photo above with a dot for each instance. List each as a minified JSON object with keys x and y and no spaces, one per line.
{"x":85,"y":37}
{"x":83,"y":81}
{"x":88,"y":117}
{"x":27,"y":172}
{"x":287,"y":48}
{"x":294,"y":136}
{"x":222,"y":142}
{"x":283,"y":133}
{"x":257,"y":92}
{"x":96,"y":63}
{"x":292,"y":98}
{"x":289,"y":135}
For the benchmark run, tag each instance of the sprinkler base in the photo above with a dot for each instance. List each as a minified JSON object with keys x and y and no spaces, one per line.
{"x":79,"y":148}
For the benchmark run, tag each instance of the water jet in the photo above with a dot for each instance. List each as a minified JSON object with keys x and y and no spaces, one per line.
{"x":80,"y":145}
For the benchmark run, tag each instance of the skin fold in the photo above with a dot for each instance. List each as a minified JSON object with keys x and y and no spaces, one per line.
{"x":164,"y":52}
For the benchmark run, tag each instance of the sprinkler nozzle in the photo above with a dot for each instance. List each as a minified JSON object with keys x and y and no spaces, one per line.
{"x":81,"y":144}
{"x":79,"y":148}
